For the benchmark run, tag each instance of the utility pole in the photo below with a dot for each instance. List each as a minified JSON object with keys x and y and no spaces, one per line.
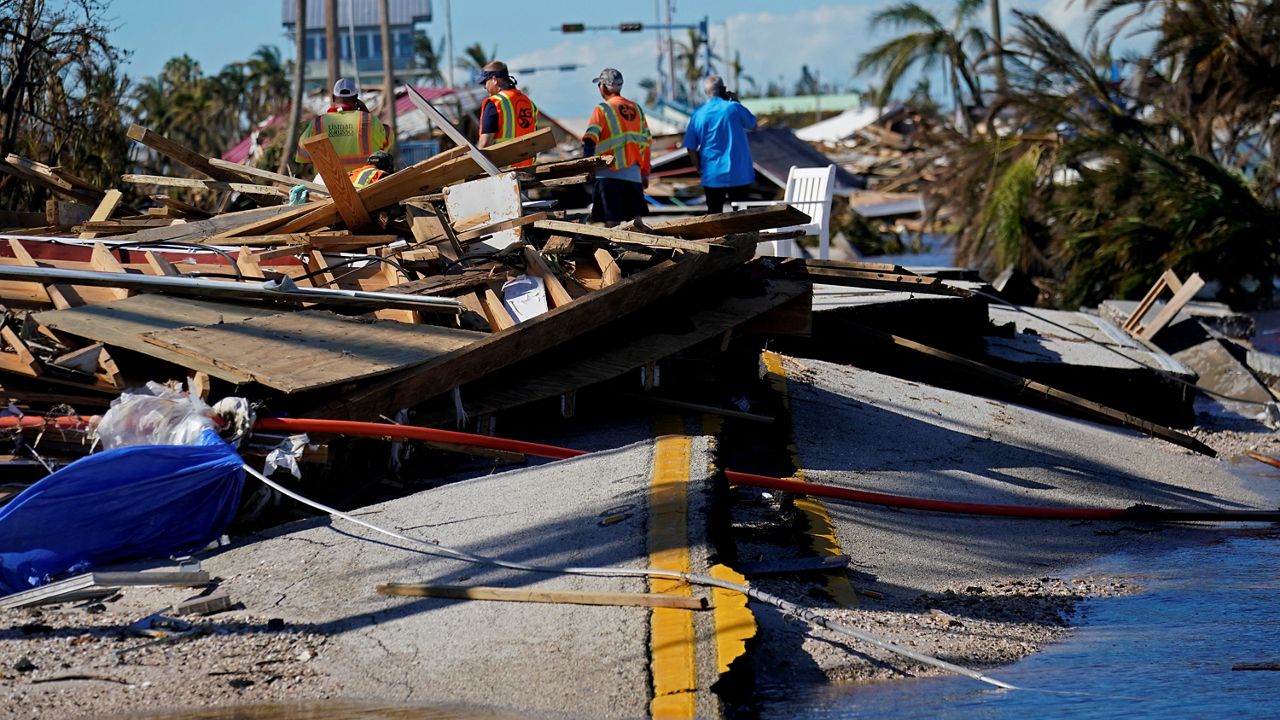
{"x":389,"y":80}
{"x":1001,"y":80}
{"x":299,"y":78}
{"x":448,"y":24}
{"x":331,"y":39}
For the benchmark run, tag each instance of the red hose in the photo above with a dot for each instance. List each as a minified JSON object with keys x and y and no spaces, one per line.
{"x":410,"y":432}
{"x":1136,"y":513}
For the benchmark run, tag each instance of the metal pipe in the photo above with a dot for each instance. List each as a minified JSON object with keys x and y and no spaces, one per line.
{"x":282,"y":289}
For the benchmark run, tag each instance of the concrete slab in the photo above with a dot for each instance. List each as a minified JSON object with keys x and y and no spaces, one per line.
{"x":859,"y":429}
{"x":547,"y":659}
{"x":1218,"y":316}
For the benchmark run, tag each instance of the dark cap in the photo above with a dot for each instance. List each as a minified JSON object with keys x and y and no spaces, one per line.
{"x":609,"y":77}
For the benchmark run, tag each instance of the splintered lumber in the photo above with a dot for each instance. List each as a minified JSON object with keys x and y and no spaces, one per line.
{"x":184,"y":155}
{"x":851,"y":275}
{"x":330,"y":167}
{"x":612,"y":352}
{"x":568,"y":597}
{"x":104,"y":210}
{"x":537,"y":265}
{"x":492,"y":228}
{"x":202,"y":287}
{"x":62,"y":183}
{"x":572,"y":167}
{"x":21,"y":360}
{"x":246,"y":222}
{"x":240,"y":187}
{"x":281,"y":180}
{"x":449,"y":284}
{"x":104,"y":583}
{"x":412,"y":386}
{"x":1021,"y":386}
{"x":610,"y":274}
{"x":710,"y":226}
{"x":298,"y":351}
{"x":315,"y":240}
{"x":625,"y":237}
{"x":425,"y":177}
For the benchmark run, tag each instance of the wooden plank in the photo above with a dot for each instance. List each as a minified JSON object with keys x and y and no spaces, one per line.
{"x":43,"y":175}
{"x":568,"y":597}
{"x":23,"y":361}
{"x":317,"y":263}
{"x":610,"y":273}
{"x":283,"y":181}
{"x":411,"y":386}
{"x":496,"y":313}
{"x":187,"y":210}
{"x":184,"y":155}
{"x":425,"y":177}
{"x":60,"y":296}
{"x":1180,"y":298}
{"x":103,"y":261}
{"x":121,"y":323}
{"x":240,"y":187}
{"x":537,"y":265}
{"x":500,"y":226}
{"x":1021,"y":385}
{"x":103,"y":212}
{"x":310,"y":349}
{"x":350,"y":208}
{"x":611,"y":353}
{"x":884,"y":281}
{"x":573,"y":166}
{"x":160,"y":265}
{"x":248,"y":263}
{"x":710,"y":226}
{"x":626,"y":237}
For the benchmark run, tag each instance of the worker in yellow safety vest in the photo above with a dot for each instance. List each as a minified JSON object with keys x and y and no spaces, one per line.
{"x":353,"y":130}
{"x":617,"y":127}
{"x":380,"y":165}
{"x":507,"y":113}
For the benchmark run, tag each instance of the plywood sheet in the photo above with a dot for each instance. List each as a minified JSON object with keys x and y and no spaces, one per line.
{"x":121,"y":323}
{"x":298,"y":351}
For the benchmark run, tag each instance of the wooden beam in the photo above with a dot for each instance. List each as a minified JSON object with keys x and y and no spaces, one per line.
{"x":103,"y":261}
{"x":569,"y":597}
{"x":492,"y":228}
{"x":283,"y":181}
{"x":186,"y":209}
{"x":104,"y":210}
{"x":537,"y":265}
{"x":43,"y":175}
{"x":1180,"y":298}
{"x":710,"y":226}
{"x":240,"y":187}
{"x":60,"y":296}
{"x":883,"y":281}
{"x":427,"y":176}
{"x":184,"y":155}
{"x":160,"y":265}
{"x":497,"y":314}
{"x":23,"y":361}
{"x":610,"y":273}
{"x":625,"y":237}
{"x":350,"y":207}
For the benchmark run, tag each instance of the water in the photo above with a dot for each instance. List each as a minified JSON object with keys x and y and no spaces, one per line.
{"x":1165,"y":652}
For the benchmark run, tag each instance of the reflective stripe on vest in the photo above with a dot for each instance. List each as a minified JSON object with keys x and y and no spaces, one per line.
{"x":627,"y":140}
{"x":517,"y":115}
{"x":366,"y":176}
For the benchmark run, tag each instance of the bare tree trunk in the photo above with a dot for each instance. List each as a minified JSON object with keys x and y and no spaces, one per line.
{"x":299,"y":78}
{"x":1001,"y":80}
{"x":389,"y":81}
{"x":331,"y":39}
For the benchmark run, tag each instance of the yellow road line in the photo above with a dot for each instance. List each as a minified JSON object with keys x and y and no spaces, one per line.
{"x":822,"y":532}
{"x":671,"y":636}
{"x":734,"y":621}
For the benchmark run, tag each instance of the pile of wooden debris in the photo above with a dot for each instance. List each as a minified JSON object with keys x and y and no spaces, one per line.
{"x":437,"y":283}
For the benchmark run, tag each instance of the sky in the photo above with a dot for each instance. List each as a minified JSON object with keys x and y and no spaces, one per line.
{"x":774,"y":37}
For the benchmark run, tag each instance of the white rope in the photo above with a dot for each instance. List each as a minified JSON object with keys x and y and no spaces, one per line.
{"x":786,"y":606}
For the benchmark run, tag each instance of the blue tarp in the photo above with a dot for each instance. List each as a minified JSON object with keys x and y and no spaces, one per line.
{"x":127,"y":503}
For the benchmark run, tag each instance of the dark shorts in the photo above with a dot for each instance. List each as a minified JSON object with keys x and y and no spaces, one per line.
{"x":615,"y":200}
{"x":717,"y":195}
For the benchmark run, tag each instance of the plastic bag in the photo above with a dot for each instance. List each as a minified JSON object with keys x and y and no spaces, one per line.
{"x":164,"y":417}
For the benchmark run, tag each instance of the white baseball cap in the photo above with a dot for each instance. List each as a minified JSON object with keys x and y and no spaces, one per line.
{"x":345,"y":88}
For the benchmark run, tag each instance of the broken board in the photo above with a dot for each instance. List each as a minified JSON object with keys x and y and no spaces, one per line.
{"x":310,"y":349}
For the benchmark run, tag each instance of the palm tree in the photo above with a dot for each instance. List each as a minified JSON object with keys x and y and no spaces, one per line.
{"x":689,"y":57}
{"x":930,"y":42}
{"x":650,"y":87}
{"x":738,"y":76}
{"x":428,"y":57}
{"x":266,"y":82}
{"x":473,"y":57}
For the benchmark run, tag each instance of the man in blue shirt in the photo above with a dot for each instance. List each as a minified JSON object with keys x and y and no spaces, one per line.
{"x":717,"y":145}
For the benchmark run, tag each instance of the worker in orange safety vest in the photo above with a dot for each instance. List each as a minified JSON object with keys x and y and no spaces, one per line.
{"x":354,"y":132}
{"x":507,"y":113}
{"x":380,"y":165}
{"x":617,"y":127}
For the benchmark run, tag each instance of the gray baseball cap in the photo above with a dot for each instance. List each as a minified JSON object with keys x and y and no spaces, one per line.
{"x":610,"y":77}
{"x":345,"y":88}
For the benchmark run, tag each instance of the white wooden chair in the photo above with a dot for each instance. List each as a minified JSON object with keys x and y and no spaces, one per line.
{"x":810,"y":190}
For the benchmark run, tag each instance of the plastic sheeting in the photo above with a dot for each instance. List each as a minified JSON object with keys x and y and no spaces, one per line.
{"x":121,"y":504}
